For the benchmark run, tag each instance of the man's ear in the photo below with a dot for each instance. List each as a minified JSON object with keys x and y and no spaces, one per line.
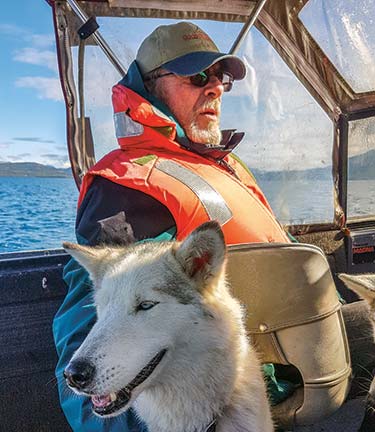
{"x":363,"y":285}
{"x":202,"y":253}
{"x":93,"y":259}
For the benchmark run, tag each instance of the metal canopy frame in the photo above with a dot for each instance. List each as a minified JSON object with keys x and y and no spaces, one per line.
{"x":277,"y":20}
{"x":81,"y":15}
{"x":84,"y":18}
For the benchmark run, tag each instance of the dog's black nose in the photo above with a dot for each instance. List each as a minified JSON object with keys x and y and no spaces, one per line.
{"x":79,"y":373}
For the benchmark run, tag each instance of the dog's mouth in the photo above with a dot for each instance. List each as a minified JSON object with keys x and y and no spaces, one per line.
{"x":104,"y":405}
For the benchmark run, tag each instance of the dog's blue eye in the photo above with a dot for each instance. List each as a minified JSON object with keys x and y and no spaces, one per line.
{"x":146,"y":305}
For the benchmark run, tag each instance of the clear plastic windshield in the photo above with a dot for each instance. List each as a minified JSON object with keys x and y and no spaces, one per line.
{"x":361,"y":168}
{"x":288,"y":142}
{"x":345,"y":30}
{"x":288,"y":138}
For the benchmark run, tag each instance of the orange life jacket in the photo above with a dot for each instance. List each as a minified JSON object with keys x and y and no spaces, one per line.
{"x":194,"y":188}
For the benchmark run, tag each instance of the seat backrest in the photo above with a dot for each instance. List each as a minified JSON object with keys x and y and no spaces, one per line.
{"x":294,"y":318}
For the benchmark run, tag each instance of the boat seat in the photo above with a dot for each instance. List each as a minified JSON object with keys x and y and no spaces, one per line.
{"x":294,"y":318}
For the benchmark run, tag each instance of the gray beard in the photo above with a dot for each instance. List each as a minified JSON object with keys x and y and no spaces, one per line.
{"x":211,"y":135}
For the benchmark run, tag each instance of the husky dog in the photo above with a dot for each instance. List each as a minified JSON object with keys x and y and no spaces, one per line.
{"x":169,"y":338}
{"x":364,"y":286}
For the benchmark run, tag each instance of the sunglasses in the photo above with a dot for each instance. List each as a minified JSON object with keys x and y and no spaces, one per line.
{"x":201,"y":79}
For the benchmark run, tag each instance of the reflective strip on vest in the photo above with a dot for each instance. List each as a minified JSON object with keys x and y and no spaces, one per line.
{"x":125,"y":126}
{"x":212,"y":201}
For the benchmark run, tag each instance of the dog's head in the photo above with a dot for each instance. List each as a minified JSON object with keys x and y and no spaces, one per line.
{"x":364,"y":286}
{"x":151,"y":300}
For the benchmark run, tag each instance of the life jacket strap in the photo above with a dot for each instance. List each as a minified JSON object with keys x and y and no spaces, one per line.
{"x":212,"y":201}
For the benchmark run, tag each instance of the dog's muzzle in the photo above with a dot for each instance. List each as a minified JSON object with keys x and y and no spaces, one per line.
{"x":109,"y":404}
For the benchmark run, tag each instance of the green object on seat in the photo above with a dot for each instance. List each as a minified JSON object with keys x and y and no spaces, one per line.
{"x":278,"y":389}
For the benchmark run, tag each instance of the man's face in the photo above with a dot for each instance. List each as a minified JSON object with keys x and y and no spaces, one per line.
{"x":197,"y":109}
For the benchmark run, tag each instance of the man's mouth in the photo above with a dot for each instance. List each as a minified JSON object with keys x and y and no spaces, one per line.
{"x":104,"y":405}
{"x":210,"y":113}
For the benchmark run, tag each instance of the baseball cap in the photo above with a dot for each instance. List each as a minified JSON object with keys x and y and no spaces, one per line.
{"x":184,"y":49}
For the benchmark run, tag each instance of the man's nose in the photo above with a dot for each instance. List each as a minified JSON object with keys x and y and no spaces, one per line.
{"x":79,"y":374}
{"x":214,"y":87}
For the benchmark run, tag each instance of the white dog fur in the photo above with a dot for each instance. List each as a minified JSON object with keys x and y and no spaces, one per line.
{"x":364,"y":286}
{"x":172,"y":296}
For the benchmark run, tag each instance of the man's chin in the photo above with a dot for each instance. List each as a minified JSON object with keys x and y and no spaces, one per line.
{"x":207,"y":136}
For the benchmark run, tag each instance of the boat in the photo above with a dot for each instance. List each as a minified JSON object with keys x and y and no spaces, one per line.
{"x":310,"y":115}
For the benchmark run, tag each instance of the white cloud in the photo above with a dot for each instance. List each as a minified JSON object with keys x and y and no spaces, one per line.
{"x":36,"y":53}
{"x":62,"y":148}
{"x":42,"y":40}
{"x":34,"y":140}
{"x":30,"y":55}
{"x":58,"y":160}
{"x":47,"y":88}
{"x":12,"y":30}
{"x":19,"y":157}
{"x":55,"y":159}
{"x":17,"y":32}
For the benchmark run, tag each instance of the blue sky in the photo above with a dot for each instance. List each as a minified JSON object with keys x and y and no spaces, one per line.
{"x":32,"y":111}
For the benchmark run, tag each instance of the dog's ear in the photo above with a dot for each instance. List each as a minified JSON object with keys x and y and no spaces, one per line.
{"x":363,"y":284}
{"x":202,"y":253}
{"x":93,"y":259}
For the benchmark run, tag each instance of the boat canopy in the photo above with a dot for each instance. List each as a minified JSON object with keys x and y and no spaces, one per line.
{"x":279,"y":21}
{"x":327,"y":45}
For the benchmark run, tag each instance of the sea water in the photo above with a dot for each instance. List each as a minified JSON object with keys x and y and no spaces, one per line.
{"x":39,"y":213}
{"x":36,"y":213}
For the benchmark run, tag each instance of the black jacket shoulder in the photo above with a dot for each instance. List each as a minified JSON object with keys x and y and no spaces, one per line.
{"x":113,"y":214}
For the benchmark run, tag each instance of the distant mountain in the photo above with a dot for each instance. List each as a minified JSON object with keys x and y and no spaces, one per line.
{"x":293,"y":175}
{"x":361,"y":167}
{"x":32,"y":169}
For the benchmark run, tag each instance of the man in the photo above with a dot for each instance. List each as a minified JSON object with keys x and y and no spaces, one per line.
{"x":174,"y":170}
